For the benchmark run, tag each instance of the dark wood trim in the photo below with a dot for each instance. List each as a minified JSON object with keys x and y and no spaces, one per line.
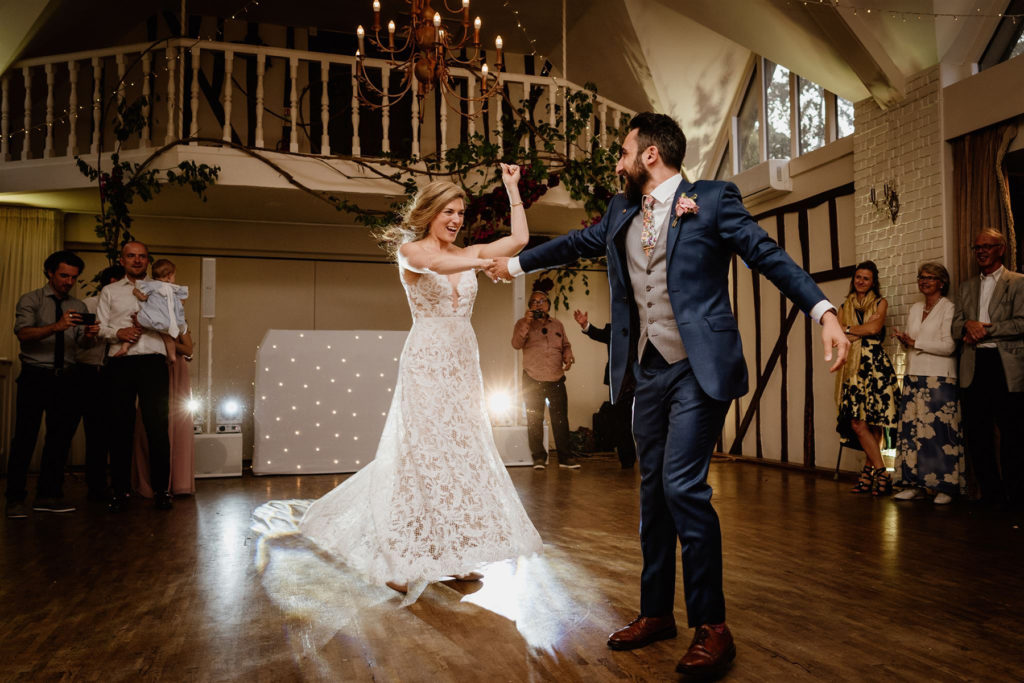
{"x":808,"y":203}
{"x":756,"y":284}
{"x":736,"y":314}
{"x":780,"y":231}
{"x":833,"y":231}
{"x":834,"y":274}
{"x":762,"y":381}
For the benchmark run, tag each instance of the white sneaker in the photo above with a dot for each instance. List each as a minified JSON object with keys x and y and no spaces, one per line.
{"x":943,"y":499}
{"x":909,"y":494}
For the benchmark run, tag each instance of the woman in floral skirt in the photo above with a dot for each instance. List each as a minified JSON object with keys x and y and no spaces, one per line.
{"x":866,"y":385}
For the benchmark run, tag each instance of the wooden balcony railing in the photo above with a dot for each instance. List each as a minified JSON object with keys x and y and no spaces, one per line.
{"x":260,"y":97}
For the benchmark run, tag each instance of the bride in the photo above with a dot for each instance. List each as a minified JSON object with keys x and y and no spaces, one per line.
{"x":436,"y":500}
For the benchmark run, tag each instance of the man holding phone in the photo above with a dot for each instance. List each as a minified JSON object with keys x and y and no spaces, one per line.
{"x":50,"y":327}
{"x":547,"y":356}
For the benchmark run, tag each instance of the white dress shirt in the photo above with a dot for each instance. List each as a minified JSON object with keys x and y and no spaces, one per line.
{"x":988,"y":285}
{"x":114,"y":311}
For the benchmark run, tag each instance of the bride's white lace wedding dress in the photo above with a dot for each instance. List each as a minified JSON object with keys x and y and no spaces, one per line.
{"x":436,"y":500}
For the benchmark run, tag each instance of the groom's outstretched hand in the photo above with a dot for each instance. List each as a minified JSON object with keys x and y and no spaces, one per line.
{"x":833,"y":337}
{"x":498,"y":270}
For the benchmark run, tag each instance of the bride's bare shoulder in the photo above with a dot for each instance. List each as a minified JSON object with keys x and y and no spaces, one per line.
{"x":409,"y":250}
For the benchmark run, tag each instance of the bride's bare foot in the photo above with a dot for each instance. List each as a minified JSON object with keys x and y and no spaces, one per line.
{"x":400,"y":587}
{"x":472,"y":576}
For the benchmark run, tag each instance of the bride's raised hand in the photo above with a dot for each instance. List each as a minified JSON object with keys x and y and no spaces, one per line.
{"x":509,"y":174}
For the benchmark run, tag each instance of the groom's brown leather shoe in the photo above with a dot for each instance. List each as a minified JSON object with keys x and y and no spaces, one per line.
{"x":642,"y":631}
{"x":710,"y":653}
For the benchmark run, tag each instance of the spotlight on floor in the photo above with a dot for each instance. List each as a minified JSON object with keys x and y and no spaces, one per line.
{"x":229,"y":416}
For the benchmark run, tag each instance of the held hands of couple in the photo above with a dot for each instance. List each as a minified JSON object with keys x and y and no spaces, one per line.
{"x":498,"y":270}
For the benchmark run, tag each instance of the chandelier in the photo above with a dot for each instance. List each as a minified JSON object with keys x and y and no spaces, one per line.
{"x":426,"y":55}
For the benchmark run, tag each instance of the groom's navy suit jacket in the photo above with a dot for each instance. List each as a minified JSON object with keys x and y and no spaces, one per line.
{"x":699,"y":252}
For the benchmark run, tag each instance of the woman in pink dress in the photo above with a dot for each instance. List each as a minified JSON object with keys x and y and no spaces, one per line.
{"x":183,"y":471}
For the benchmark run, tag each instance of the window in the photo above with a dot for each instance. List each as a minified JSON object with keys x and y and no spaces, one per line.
{"x":1018,"y":49}
{"x":776,"y":81}
{"x":1008,"y":40}
{"x":749,"y":124}
{"x":812,"y":115}
{"x":844,"y":117}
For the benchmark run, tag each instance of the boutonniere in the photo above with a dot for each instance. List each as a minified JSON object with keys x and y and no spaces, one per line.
{"x":687,"y":204}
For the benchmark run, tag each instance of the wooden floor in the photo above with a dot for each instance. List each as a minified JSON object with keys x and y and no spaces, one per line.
{"x":820,"y":585}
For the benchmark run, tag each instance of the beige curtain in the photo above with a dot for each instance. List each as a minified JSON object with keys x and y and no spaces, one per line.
{"x":27,"y":237}
{"x":981,"y":193}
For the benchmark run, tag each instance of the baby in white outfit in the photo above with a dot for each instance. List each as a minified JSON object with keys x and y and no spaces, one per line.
{"x":161,"y":309}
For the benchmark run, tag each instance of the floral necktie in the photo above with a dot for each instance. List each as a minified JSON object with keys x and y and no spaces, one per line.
{"x":648,"y":236}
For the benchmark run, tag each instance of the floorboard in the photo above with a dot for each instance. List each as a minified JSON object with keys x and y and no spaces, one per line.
{"x":820,"y":585}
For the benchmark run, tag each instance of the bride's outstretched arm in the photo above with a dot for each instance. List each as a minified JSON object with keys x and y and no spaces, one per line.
{"x":514,"y":243}
{"x":412,"y":257}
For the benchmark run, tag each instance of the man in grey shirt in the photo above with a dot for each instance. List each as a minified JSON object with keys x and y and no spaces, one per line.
{"x":49,"y":326}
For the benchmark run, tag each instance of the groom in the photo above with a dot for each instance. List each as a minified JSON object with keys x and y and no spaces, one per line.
{"x":669,"y":245}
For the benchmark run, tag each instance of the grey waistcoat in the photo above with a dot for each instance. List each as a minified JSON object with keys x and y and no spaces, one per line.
{"x":650,"y":291}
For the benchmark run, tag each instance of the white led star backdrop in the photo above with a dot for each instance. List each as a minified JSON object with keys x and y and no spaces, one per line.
{"x":321,"y":398}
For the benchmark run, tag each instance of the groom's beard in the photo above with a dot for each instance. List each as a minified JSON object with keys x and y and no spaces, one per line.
{"x":635,"y":179}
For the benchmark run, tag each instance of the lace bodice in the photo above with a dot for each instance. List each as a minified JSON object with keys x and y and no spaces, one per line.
{"x":432,"y":295}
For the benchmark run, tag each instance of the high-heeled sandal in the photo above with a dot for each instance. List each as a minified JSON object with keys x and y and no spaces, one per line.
{"x":882,"y":484}
{"x":866,"y":480}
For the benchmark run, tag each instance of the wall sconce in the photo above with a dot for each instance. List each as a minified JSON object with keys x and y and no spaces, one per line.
{"x":889,"y":203}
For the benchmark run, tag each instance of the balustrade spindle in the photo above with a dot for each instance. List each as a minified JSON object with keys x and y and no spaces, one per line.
{"x":229,"y":67}
{"x":261,"y":68}
{"x":26,"y":139}
{"x":414,"y":88}
{"x":72,"y":108}
{"x":444,"y":121}
{"x":97,"y":105}
{"x":48,"y":146}
{"x":496,"y":117}
{"x":565,"y":121}
{"x":552,"y":102}
{"x":145,"y":137}
{"x":325,"y":108}
{"x":386,"y":113}
{"x":119,"y":60}
{"x":172,"y":58}
{"x":193,"y":131}
{"x":5,"y":112}
{"x":356,"y":150}
{"x":293,"y":145}
{"x":602,"y":125}
{"x":471,"y":93}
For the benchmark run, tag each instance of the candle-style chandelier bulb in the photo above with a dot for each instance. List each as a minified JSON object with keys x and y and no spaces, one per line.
{"x":437,"y":20}
{"x":498,"y":43}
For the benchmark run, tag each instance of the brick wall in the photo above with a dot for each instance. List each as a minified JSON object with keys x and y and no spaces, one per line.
{"x":902,"y":144}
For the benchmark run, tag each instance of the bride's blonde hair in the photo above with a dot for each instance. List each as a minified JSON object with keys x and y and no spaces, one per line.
{"x":419,"y":213}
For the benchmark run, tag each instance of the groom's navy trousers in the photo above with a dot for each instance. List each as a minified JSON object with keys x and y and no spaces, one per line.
{"x":675,"y":425}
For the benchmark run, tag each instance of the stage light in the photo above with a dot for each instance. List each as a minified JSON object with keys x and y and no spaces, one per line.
{"x":501,"y":407}
{"x":193,"y":405}
{"x":229,"y":415}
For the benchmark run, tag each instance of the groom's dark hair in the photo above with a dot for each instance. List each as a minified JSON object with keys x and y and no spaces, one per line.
{"x":662,"y":132}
